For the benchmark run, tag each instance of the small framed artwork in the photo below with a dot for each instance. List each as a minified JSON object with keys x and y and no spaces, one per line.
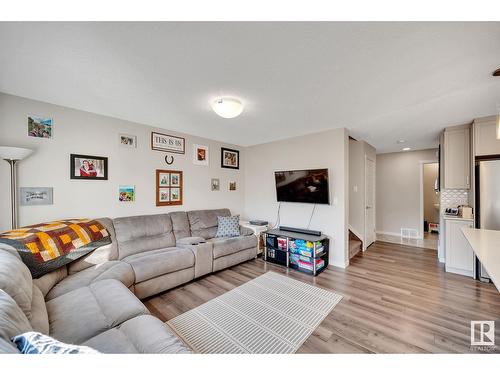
{"x":168,"y":187}
{"x":200,"y":155}
{"x":128,"y":140}
{"x":87,"y":167}
{"x":35,"y":196}
{"x":232,"y":185}
{"x":215,"y":184}
{"x":164,"y":179}
{"x":175,"y":179}
{"x":168,"y":143}
{"x":126,"y":193}
{"x":39,"y":126}
{"x":229,"y":158}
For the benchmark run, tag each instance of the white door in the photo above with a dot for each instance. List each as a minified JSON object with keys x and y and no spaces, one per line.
{"x":369,"y":202}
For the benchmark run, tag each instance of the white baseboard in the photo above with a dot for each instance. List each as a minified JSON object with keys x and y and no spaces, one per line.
{"x":340,"y":264}
{"x":390,"y":233}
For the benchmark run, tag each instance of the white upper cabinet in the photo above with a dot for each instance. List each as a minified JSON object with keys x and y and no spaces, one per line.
{"x":456,"y":150}
{"x":485,"y":136}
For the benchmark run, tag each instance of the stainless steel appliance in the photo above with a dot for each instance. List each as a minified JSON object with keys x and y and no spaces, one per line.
{"x":487,"y":201}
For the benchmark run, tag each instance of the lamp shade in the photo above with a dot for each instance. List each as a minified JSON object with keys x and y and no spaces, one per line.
{"x":14,"y":153}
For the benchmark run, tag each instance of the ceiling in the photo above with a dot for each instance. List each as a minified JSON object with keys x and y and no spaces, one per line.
{"x":383,"y":81}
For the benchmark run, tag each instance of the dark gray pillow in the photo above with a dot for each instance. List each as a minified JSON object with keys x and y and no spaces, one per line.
{"x":228,"y":226}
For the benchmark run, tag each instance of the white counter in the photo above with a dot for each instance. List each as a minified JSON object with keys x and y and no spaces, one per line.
{"x":486,"y":246}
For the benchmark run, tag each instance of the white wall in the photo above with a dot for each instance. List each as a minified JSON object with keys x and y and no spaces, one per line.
{"x":398,"y":190}
{"x":431,"y":214}
{"x":322,"y":150}
{"x":81,"y":132}
{"x":358,"y":152}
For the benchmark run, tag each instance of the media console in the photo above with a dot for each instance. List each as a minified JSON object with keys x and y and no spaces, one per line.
{"x":303,"y":252}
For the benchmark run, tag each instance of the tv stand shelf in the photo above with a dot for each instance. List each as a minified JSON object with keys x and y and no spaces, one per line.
{"x":303,"y":252}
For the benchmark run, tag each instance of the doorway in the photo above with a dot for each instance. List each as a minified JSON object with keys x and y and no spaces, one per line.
{"x":429,"y":205}
{"x":369,"y":202}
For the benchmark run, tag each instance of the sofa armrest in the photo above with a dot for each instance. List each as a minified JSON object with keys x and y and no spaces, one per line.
{"x":189,"y":241}
{"x":203,"y":257}
{"x":244,"y":231}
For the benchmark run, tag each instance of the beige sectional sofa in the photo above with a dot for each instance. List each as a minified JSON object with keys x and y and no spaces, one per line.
{"x":94,"y":301}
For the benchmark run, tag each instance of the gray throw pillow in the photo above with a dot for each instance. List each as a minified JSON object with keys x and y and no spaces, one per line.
{"x":228,"y":226}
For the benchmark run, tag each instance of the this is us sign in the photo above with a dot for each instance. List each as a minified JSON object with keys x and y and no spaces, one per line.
{"x":167,"y":143}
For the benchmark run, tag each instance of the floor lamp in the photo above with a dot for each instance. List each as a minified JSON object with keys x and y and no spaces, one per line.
{"x":12,"y":155}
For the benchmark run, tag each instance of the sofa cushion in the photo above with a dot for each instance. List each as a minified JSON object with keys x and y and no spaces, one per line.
{"x":115,"y":270}
{"x":227,"y":246}
{"x":137,"y":234}
{"x":180,"y":224}
{"x":16,"y":281}
{"x":203,"y":223}
{"x":159,"y":262}
{"x":12,"y":322}
{"x":38,"y":343}
{"x":83,"y":313}
{"x":228,"y":226}
{"x":144,"y":334}
{"x":49,"y":280}
{"x":39,"y":318}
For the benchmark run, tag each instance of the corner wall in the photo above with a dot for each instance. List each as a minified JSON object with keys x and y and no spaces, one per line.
{"x":328,"y":149}
{"x":79,"y":132}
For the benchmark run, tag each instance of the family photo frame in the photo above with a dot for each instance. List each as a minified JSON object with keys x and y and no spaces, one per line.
{"x":229,"y":158}
{"x":88,"y":167}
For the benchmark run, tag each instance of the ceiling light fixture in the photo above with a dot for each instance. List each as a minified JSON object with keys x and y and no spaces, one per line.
{"x":402,"y":141}
{"x":406,"y":149}
{"x":496,"y":73}
{"x":227,"y":107}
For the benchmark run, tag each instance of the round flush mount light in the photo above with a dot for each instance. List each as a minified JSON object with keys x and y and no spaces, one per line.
{"x":400,"y":141}
{"x":227,"y":107}
{"x":406,"y":149}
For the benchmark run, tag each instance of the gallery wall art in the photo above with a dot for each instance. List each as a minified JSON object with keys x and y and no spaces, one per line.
{"x":168,"y":143}
{"x":229,"y":158}
{"x":39,"y":126}
{"x":127,"y":140}
{"x":200,"y":155}
{"x":169,"y":187}
{"x":35,"y":196}
{"x":126,"y":193}
{"x":88,"y":167}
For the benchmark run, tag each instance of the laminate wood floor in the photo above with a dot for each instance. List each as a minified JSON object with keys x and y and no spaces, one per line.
{"x":397,"y":299}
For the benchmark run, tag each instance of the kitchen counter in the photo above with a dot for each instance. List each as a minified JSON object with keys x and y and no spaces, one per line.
{"x":453,"y":217}
{"x":486,"y":246}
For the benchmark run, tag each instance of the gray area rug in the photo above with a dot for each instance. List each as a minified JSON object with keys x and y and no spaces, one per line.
{"x":270,"y":314}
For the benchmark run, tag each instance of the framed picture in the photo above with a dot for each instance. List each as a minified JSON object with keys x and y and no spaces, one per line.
{"x":229,"y":158}
{"x":168,"y":143}
{"x":175,"y":179}
{"x":35,"y":196}
{"x":164,"y":179}
{"x":168,"y":188}
{"x":87,"y":167}
{"x":126,"y":193}
{"x":200,"y":155}
{"x":128,"y":140}
{"x":232,"y":185}
{"x":39,"y":127}
{"x":215,"y":184}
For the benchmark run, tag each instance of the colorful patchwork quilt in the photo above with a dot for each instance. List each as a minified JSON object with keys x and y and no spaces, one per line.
{"x":48,"y":246}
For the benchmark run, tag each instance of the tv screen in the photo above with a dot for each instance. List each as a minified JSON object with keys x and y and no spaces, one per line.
{"x":304,"y":186}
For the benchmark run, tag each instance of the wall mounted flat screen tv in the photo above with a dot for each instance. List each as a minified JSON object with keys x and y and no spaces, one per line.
{"x":303,"y":186}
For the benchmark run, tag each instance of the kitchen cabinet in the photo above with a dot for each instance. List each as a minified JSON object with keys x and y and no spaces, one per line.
{"x":457,"y":164}
{"x":459,"y":255}
{"x":485,"y":136}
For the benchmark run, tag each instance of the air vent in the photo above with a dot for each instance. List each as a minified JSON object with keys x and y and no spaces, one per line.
{"x":409,"y":233}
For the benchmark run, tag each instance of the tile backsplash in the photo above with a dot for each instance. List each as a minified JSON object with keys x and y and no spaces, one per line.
{"x":453,"y":198}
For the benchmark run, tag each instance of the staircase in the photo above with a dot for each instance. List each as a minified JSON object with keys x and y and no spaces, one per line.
{"x":355,"y":245}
